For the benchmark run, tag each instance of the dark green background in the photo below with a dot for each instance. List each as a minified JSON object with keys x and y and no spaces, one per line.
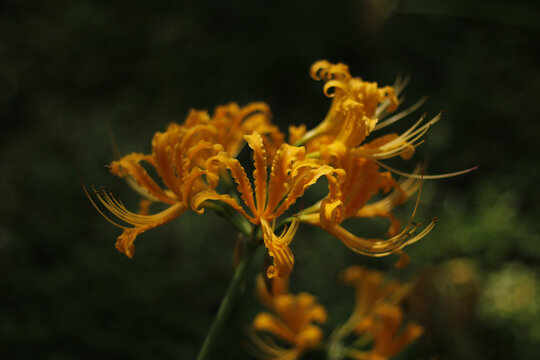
{"x":69,"y":69}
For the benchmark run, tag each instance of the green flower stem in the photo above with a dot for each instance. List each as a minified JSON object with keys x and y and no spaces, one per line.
{"x":239,"y":222}
{"x":228,"y":300}
{"x":243,"y":226}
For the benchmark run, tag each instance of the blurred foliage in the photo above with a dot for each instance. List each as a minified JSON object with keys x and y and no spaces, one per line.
{"x":71,"y":69}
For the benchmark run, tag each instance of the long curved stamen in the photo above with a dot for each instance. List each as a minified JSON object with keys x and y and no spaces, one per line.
{"x":407,"y":141}
{"x":99,"y":209}
{"x":400,"y":115}
{"x":425,"y":177}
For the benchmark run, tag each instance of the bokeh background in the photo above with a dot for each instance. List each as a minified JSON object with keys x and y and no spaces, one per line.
{"x":72,"y":70}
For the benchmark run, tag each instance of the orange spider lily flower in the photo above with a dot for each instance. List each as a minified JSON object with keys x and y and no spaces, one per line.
{"x":291,"y":174}
{"x":340,"y":141}
{"x":267,"y":291}
{"x":291,"y":321}
{"x":350,"y":199}
{"x":354,"y":104}
{"x":376,"y":317}
{"x":178,"y":156}
{"x":372,"y":290}
{"x":355,"y":112}
{"x":233,"y":122}
{"x":388,"y":340}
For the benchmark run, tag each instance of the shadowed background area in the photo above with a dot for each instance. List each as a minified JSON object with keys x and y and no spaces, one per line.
{"x":70,"y":70}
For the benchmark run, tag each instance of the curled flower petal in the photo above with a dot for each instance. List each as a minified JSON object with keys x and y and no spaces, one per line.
{"x":129,"y":166}
{"x":324,"y":70}
{"x":255,"y":142}
{"x":381,"y":247}
{"x":280,"y":181}
{"x":239,"y":175}
{"x":140,"y":222}
{"x":303,"y":175}
{"x":278,"y":249}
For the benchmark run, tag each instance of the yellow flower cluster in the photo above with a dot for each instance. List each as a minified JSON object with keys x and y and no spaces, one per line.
{"x":376,"y":318}
{"x":197,"y":163}
{"x":291,"y":320}
{"x":375,"y":325}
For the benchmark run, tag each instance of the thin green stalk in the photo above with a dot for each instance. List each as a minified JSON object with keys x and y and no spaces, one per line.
{"x":239,"y":222}
{"x":228,"y":301}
